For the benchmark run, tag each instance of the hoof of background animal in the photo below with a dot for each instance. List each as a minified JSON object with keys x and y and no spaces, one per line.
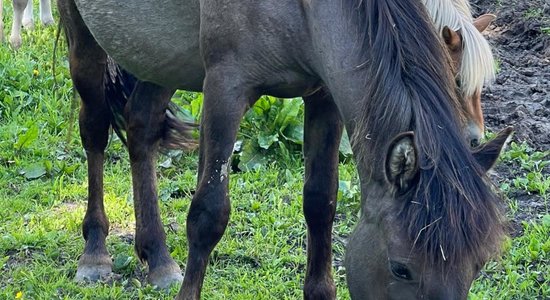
{"x":93,"y":269}
{"x":28,"y":25}
{"x":166,"y":276}
{"x":48,"y":21}
{"x":15,"y":42}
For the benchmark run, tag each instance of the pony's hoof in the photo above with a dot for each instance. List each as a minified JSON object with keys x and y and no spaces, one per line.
{"x":47,"y":21}
{"x":28,"y":25}
{"x":92,"y":273}
{"x":166,"y":276}
{"x":15,"y":42}
{"x":92,"y":269}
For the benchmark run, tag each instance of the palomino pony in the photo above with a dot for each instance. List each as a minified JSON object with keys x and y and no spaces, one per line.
{"x":23,"y":16}
{"x":471,"y":54}
{"x":373,"y":66}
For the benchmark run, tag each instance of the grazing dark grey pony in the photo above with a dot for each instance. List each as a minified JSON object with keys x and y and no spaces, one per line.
{"x":376,"y":67}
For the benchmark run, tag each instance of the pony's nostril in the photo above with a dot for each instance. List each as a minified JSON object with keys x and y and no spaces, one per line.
{"x":474,"y":142}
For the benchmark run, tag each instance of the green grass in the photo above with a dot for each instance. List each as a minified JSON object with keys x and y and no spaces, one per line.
{"x":534,"y":13}
{"x":537,"y":14}
{"x":262,"y":254}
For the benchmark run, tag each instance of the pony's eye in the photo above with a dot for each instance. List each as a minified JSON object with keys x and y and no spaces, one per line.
{"x":458,"y":83}
{"x":400,"y":271}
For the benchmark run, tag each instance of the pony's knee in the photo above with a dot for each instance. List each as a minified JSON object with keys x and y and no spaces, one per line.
{"x":207,"y":219}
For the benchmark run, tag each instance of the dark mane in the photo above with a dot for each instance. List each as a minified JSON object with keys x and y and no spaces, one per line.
{"x":451,"y":214}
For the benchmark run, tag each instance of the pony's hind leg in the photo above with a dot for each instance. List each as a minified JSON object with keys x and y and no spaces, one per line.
{"x":87,"y":74}
{"x":46,"y":16}
{"x":322,"y":133}
{"x":225,"y":102}
{"x":146,"y":113}
{"x":15,"y":36}
{"x":87,"y":65}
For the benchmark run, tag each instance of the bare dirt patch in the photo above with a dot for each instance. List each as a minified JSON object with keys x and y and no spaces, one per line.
{"x":520,"y":37}
{"x":520,"y":96}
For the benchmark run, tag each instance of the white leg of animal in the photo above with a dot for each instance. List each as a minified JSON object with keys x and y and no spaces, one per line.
{"x":46,"y":12}
{"x":18,"y":8}
{"x":28,"y":18}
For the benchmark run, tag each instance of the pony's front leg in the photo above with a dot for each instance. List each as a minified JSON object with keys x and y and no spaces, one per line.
{"x":46,"y":12}
{"x":146,"y":112}
{"x":322,"y":133}
{"x":225,"y":102}
{"x":18,"y":9}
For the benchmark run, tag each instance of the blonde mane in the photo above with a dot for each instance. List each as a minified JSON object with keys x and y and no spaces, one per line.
{"x":477,"y":65}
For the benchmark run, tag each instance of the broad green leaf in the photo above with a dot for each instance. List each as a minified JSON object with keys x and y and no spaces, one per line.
{"x":251,"y":158}
{"x":295,"y":133}
{"x":34,"y":171}
{"x":288,"y":113}
{"x":265,"y":140}
{"x":121,"y":262}
{"x":252,"y":162}
{"x":262,"y":105}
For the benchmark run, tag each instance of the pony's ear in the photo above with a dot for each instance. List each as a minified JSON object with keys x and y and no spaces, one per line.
{"x":483,"y":21}
{"x":488,"y":153}
{"x":451,"y":38}
{"x":401,"y":165}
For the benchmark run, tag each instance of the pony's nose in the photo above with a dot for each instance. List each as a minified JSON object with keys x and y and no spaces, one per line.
{"x":474,"y":134}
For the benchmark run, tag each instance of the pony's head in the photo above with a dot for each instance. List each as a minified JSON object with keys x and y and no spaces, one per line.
{"x":430,"y":218}
{"x":454,"y":41}
{"x":404,"y":249}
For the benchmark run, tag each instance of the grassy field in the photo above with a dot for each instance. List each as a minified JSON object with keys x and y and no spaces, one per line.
{"x":261,"y":256}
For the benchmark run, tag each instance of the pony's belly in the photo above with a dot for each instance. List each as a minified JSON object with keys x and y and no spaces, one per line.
{"x":155,"y":41}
